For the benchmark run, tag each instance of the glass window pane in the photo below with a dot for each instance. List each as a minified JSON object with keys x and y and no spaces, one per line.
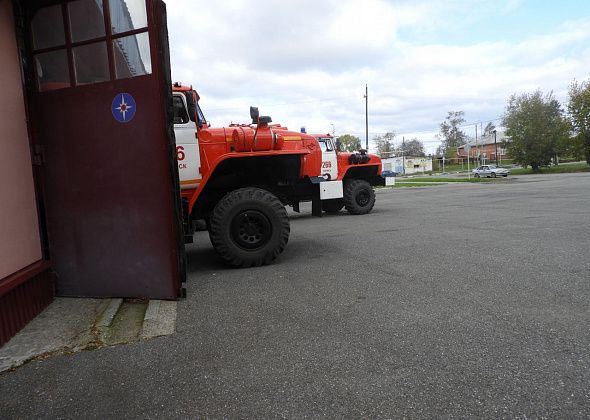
{"x":132,"y":55}
{"x":48,"y":28}
{"x":127,"y":15}
{"x":200,"y":116}
{"x":91,"y":63}
{"x":180,"y":114}
{"x":52,"y":70}
{"x":86,"y":19}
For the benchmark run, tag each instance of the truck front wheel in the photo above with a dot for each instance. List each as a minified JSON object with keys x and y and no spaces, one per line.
{"x":249,"y":227}
{"x":359,"y":197}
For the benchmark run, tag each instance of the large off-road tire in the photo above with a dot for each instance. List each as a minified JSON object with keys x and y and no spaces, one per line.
{"x":332,"y":206}
{"x":249,"y":227}
{"x":359,"y":197}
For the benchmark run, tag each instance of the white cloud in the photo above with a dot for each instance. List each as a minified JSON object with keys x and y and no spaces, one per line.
{"x":362,"y":25}
{"x":306,"y":62}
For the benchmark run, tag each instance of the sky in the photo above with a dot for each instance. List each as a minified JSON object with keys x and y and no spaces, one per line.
{"x":305,"y":63}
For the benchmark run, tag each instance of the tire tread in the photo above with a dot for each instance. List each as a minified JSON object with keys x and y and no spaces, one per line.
{"x":349,"y":197}
{"x":218,"y":224}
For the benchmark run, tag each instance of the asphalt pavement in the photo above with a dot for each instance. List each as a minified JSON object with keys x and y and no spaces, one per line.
{"x":450,"y":301}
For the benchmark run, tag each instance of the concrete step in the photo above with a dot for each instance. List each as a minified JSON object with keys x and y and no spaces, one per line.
{"x":125,"y":321}
{"x":70,"y":325}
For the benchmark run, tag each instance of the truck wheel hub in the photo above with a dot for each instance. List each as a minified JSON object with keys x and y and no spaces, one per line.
{"x":251,"y":229}
{"x":362,"y":198}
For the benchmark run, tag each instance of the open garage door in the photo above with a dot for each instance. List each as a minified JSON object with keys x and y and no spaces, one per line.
{"x":100,"y":106}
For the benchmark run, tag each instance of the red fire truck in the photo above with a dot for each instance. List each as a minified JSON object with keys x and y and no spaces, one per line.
{"x":239,"y":178}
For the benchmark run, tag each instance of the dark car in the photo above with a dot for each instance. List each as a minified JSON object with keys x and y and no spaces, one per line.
{"x":386,"y":174}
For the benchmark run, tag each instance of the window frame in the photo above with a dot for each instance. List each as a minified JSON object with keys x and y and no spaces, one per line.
{"x":201,"y":120}
{"x":69,"y":45}
{"x":326,"y":144}
{"x":185,"y":106}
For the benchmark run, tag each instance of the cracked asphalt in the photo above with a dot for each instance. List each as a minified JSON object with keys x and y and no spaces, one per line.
{"x":453,"y":301}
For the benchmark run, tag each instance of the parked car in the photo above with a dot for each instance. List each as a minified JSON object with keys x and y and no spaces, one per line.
{"x":386,"y":174}
{"x":490,"y":171}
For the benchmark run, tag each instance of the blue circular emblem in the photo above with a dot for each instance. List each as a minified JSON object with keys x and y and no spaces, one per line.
{"x":123,"y":107}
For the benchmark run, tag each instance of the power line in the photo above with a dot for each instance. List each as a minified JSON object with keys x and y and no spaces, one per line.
{"x":434,"y":130}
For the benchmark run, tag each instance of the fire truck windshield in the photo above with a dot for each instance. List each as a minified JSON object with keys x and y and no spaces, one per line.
{"x":200,"y":117}
{"x":326,"y":144}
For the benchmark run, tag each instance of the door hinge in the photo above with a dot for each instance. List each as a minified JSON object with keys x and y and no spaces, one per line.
{"x":38,"y":155}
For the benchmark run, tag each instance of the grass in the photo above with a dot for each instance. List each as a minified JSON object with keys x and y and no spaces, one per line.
{"x":435,"y":179}
{"x":450,"y":168}
{"x":559,"y":169}
{"x":412,"y":184}
{"x":428,"y":182}
{"x":422,"y":181}
{"x":436,"y":168}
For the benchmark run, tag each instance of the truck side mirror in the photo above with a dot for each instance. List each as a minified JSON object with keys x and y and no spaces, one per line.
{"x":254,"y":114}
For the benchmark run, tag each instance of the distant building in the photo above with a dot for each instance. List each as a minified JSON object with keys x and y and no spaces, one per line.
{"x":407,"y":164}
{"x":485,"y":148}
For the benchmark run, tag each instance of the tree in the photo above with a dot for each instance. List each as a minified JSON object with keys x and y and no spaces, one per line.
{"x":413,"y":147}
{"x":440,"y":151}
{"x":450,"y":133}
{"x":489,"y":129}
{"x":579,"y":112}
{"x":384,"y":144}
{"x":536,"y":127}
{"x":349,"y":143}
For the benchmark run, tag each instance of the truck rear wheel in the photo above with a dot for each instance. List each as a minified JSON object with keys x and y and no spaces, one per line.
{"x":332,"y":206}
{"x":249,"y":227}
{"x":359,"y":197}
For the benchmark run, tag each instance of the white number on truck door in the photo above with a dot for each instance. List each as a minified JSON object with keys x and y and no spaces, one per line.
{"x":329,"y":162}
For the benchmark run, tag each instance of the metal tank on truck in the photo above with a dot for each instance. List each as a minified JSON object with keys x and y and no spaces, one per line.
{"x":239,"y":178}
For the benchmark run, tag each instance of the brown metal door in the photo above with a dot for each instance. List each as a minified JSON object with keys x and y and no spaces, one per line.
{"x":101,"y":106}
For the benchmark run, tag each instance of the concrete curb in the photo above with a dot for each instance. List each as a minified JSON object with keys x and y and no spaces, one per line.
{"x":159,"y":319}
{"x":106,"y":318}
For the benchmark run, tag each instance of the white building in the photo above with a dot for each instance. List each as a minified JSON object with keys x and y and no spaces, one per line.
{"x":407,"y":164}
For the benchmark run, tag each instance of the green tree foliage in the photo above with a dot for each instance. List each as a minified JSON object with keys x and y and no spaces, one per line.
{"x":413,"y":147}
{"x":579,"y":112}
{"x":489,"y":129}
{"x":349,"y":143}
{"x":451,"y":134}
{"x":537,"y":128}
{"x":384,"y":144}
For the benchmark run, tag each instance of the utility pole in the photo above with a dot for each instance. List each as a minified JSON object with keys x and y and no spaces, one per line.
{"x":496,"y":146}
{"x":476,"y":146}
{"x":404,"y":154}
{"x":367,"y":117}
{"x":481,"y":135}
